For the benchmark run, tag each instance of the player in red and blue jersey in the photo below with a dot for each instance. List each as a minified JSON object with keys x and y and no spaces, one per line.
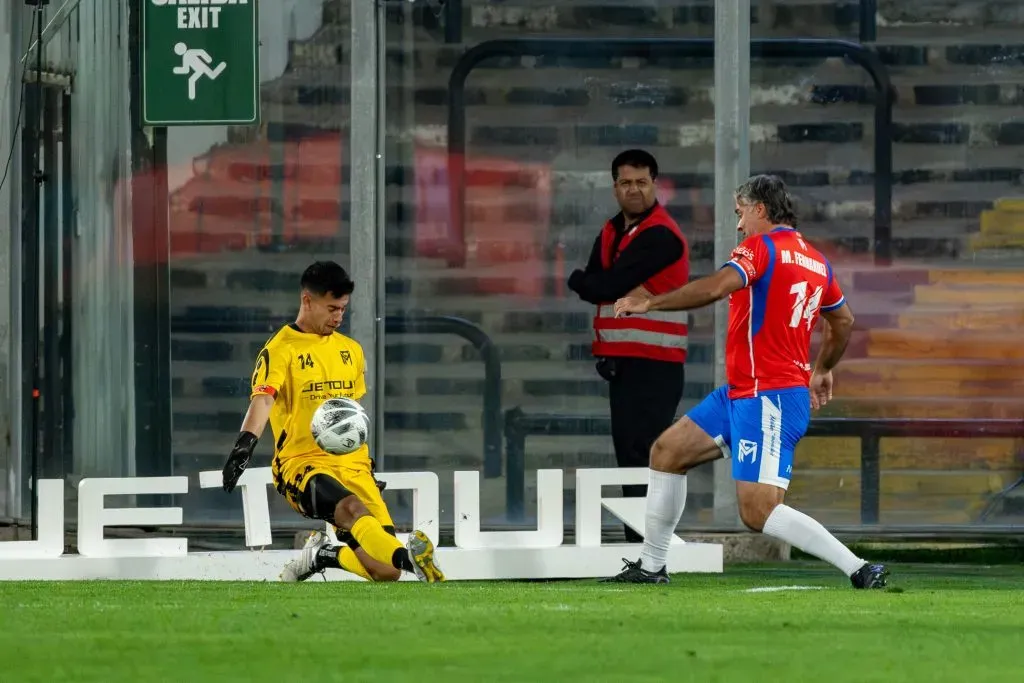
{"x":786,"y":282}
{"x":778,"y":286}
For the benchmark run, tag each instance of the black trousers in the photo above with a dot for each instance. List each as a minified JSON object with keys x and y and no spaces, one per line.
{"x":644,"y":395}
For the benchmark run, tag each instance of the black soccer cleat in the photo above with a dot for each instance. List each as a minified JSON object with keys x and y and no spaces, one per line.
{"x":632,"y":572}
{"x":870,"y":576}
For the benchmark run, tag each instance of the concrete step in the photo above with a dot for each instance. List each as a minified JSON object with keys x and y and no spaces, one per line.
{"x":421,"y":353}
{"x":911,"y":510}
{"x":572,"y":224}
{"x":938,"y":83}
{"x":495,"y":314}
{"x":843,"y":507}
{"x":405,"y":450}
{"x":402,"y":413}
{"x":952,"y":345}
{"x":913,"y":485}
{"x":907,"y":51}
{"x":897,"y":453}
{"x":777,"y":99}
{"x":925,"y":407}
{"x":219,"y":195}
{"x":983,"y":295}
{"x":927,"y":161}
{"x":315,"y":161}
{"x":407,"y":283}
{"x":1002,"y":223}
{"x":981,"y":242}
{"x":964,"y":389}
{"x":282,"y":269}
{"x":977,"y":277}
{"x":520,"y":380}
{"x":930,"y":130}
{"x":966,"y":19}
{"x":849,"y":515}
{"x":917,"y":370}
{"x":956,"y":318}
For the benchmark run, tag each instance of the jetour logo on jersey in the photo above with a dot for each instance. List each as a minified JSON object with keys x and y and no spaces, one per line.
{"x":328,"y":389}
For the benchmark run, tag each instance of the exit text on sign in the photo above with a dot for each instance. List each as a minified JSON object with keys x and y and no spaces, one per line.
{"x":198,"y":13}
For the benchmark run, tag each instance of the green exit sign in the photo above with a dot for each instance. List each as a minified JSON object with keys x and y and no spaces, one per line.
{"x":200,"y":62}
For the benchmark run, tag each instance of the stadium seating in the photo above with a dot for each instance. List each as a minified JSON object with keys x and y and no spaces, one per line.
{"x":939,"y":331}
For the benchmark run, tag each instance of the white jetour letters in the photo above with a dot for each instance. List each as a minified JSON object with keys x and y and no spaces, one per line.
{"x":93,"y":516}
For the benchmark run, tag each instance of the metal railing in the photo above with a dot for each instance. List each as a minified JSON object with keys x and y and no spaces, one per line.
{"x":491,"y":417}
{"x":452,"y":12}
{"x":870,"y":431}
{"x":802,"y":48}
{"x":868,"y":29}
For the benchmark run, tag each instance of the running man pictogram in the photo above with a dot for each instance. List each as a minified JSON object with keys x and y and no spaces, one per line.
{"x":197,"y":63}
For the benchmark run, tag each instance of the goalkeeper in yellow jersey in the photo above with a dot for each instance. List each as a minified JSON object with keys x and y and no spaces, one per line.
{"x":302,"y":365}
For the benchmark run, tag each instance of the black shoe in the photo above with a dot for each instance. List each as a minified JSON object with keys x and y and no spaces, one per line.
{"x":870,"y":576}
{"x":634,"y":573}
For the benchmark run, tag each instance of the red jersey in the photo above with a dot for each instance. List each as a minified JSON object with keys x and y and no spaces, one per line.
{"x":787,"y":283}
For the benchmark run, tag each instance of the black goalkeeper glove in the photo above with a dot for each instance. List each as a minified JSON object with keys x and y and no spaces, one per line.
{"x":238,"y":460}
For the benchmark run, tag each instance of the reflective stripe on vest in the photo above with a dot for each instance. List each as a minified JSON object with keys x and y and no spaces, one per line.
{"x":679,"y":317}
{"x":637,"y":334}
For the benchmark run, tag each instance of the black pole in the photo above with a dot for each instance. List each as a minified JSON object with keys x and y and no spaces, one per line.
{"x":151,"y":280}
{"x":67,"y":242}
{"x":453,"y":22}
{"x":30,"y":266}
{"x":870,"y":477}
{"x":515,"y":471}
{"x":886,"y":96}
{"x":51,"y":465}
{"x":868,"y":22}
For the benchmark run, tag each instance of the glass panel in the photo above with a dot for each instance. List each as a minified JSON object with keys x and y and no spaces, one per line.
{"x":945,"y":344}
{"x":540,"y":134}
{"x":250,"y":209}
{"x":477,"y":259}
{"x":812,"y":124}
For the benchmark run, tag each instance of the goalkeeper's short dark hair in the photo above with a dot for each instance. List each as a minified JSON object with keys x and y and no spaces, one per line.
{"x":327,"y":277}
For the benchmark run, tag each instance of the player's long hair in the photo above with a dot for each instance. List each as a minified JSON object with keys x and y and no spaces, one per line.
{"x":771,"y":191}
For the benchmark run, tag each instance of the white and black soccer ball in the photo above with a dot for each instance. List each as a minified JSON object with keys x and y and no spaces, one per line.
{"x":340,"y":426}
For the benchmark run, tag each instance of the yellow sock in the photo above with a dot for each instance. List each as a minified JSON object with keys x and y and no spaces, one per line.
{"x":350,"y":563}
{"x":378,"y":544}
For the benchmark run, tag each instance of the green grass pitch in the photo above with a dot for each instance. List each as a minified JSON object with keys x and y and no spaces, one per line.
{"x":936,"y":623}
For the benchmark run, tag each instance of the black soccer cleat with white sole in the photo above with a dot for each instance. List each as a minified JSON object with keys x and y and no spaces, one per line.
{"x":633,"y":572}
{"x":870,"y":576}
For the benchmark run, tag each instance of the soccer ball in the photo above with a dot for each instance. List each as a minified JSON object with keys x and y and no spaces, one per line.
{"x":340,"y":426}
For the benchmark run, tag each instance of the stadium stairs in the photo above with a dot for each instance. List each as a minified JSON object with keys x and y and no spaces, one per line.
{"x":938,"y":333}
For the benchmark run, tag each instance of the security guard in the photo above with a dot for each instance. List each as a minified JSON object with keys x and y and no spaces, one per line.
{"x":640,"y":250}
